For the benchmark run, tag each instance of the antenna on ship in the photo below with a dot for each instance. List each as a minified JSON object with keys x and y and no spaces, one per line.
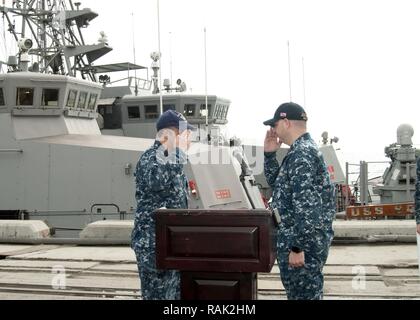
{"x":160,"y":60}
{"x":4,"y":39}
{"x":58,"y":42}
{"x":170,"y":54}
{"x":290,"y":75}
{"x":205,"y":79}
{"x":136,"y":89}
{"x":303,"y":79}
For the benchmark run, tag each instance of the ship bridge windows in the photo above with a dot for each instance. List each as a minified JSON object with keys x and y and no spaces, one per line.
{"x":25,"y":96}
{"x":71,"y":99}
{"x":50,"y":97}
{"x":189,"y":110}
{"x":92,"y":101}
{"x":1,"y":97}
{"x":133,"y":112}
{"x":225,"y":112}
{"x":203,"y":110}
{"x":217,"y":111}
{"x":82,"y":100}
{"x":151,"y":112}
{"x":221,"y":111}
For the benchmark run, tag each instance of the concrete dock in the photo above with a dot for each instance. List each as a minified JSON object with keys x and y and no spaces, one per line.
{"x":45,"y":272}
{"x":369,"y":260}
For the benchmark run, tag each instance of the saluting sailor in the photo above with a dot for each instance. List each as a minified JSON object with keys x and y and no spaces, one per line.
{"x":160,"y":182}
{"x":304,"y":197}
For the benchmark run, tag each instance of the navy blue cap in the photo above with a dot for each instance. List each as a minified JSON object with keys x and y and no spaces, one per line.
{"x":290,"y":111}
{"x":174,"y":119}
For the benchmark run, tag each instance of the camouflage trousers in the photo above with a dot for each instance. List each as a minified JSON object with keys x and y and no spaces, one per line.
{"x":158,"y":284}
{"x":307,"y":282}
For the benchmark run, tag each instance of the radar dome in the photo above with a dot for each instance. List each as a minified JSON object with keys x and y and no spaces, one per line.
{"x":404,"y":134}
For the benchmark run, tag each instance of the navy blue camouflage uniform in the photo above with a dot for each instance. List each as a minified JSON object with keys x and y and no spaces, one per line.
{"x":160,"y":182}
{"x":417,"y":197}
{"x":304,"y":196}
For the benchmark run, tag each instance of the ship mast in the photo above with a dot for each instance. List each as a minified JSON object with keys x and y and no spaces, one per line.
{"x":55,"y":28}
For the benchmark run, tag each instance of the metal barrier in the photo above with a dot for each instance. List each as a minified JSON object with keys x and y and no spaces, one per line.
{"x":360,"y":186}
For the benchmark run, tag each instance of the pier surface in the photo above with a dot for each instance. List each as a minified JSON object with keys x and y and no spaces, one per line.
{"x":374,"y":271}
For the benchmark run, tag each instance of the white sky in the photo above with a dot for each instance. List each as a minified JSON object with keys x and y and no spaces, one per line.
{"x":362,"y":60}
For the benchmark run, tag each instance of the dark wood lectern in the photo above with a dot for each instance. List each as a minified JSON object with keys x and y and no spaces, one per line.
{"x":218,"y":252}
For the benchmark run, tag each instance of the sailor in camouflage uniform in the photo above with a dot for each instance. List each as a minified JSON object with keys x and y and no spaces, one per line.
{"x":417,"y":200}
{"x":304,"y":197}
{"x":160,"y":183}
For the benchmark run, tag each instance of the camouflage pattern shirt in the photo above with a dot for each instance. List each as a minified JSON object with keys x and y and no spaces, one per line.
{"x":303,"y":194}
{"x":160,"y":182}
{"x":417,"y":198}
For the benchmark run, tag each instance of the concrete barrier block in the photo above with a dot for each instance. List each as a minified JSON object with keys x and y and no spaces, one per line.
{"x":356,"y":229}
{"x":108,"y":229}
{"x":23,"y":229}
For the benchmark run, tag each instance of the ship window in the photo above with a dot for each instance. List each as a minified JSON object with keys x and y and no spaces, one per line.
{"x":151,"y":112}
{"x":1,"y":97}
{"x":216,"y":112}
{"x":82,"y":100}
{"x":222,"y":112}
{"x":226,"y":111}
{"x":203,"y":110}
{"x":105,"y":110}
{"x":133,"y":112}
{"x":167,"y":107}
{"x":189,"y":110}
{"x":92,"y":101}
{"x":25,"y":96}
{"x":50,"y":97}
{"x":71,"y":99}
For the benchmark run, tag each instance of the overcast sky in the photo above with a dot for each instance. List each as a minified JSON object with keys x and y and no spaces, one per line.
{"x":362,"y":60}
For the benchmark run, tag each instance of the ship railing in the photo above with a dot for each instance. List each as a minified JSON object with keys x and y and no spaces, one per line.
{"x":134,"y":82}
{"x":363,"y":203}
{"x":360,"y":192}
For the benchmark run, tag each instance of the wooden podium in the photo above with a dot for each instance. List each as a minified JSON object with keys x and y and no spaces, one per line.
{"x":218,"y":252}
